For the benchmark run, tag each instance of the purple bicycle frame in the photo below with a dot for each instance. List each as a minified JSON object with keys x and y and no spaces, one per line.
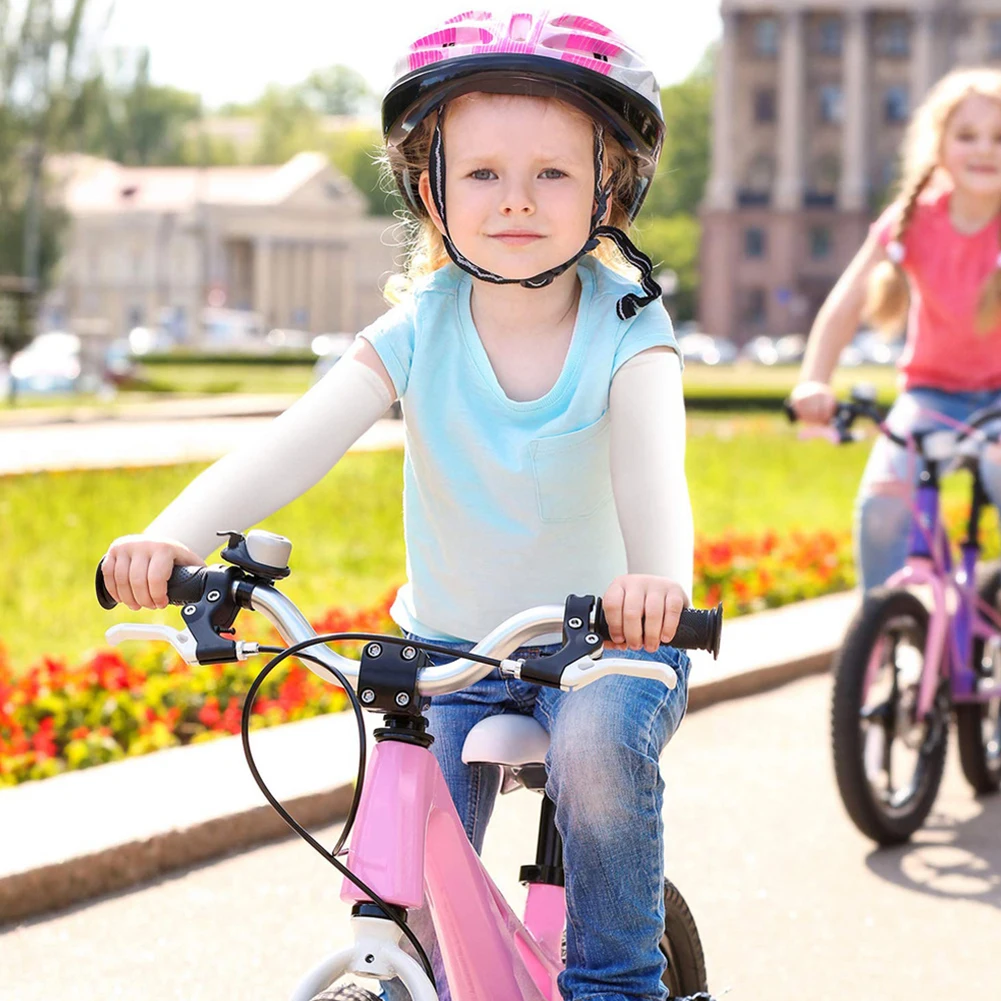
{"x":408,"y":842}
{"x":950,"y":633}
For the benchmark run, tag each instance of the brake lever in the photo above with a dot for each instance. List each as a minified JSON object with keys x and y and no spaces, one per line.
{"x":180,"y":639}
{"x":587,"y":670}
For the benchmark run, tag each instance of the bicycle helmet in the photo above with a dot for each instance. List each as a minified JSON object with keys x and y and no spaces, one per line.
{"x":564,"y":56}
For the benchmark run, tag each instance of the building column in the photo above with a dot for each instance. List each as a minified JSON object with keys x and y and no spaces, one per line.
{"x":924,"y":64}
{"x":853,"y":193}
{"x":263,"y":279}
{"x":721,"y":189}
{"x":318,"y":322}
{"x":789,"y":185}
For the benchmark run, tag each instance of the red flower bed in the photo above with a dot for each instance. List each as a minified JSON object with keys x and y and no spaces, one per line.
{"x":751,"y":572}
{"x":56,"y":717}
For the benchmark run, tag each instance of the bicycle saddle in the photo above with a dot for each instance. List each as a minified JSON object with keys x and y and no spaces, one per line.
{"x":506,"y":739}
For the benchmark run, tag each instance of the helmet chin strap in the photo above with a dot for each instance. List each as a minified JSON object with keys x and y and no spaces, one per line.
{"x":626,"y":307}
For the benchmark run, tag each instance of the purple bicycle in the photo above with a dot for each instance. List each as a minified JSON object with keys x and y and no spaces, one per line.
{"x":924,"y":647}
{"x":407,"y":843}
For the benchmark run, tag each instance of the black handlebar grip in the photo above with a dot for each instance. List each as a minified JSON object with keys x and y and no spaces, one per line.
{"x":184,"y":586}
{"x":698,"y":628}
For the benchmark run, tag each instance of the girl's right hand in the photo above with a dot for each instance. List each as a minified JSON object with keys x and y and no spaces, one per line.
{"x":136,"y":569}
{"x":813,"y":402}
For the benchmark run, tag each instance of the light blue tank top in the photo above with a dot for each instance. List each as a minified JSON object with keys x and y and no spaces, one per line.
{"x":506,"y":504}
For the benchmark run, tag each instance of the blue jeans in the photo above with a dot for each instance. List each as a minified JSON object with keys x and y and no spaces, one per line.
{"x":604,"y":777}
{"x":882,"y":511}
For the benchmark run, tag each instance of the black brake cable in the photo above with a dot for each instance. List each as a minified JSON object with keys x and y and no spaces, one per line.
{"x":331,"y":856}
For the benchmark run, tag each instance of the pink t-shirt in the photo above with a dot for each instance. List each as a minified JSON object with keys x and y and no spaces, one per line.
{"x":947,"y":270}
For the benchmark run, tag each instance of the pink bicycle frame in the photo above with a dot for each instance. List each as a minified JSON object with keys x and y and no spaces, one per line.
{"x":408,"y":843}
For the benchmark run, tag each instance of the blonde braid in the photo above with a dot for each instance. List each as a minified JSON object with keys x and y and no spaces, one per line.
{"x":989,"y":307}
{"x":887,"y":297}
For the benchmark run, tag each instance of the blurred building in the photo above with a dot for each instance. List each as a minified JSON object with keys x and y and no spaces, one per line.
{"x":154,"y":246}
{"x":810,"y":107}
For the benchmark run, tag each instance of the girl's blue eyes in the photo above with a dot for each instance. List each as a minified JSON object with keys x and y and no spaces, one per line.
{"x":484,"y":174}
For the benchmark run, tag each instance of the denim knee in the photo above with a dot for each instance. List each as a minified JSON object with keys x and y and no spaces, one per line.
{"x":882,"y":527}
{"x":606,"y":741}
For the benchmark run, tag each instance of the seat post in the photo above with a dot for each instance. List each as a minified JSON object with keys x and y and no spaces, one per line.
{"x":548,"y":866}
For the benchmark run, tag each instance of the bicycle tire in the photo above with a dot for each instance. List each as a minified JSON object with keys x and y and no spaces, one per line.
{"x":685,"y":974}
{"x":882,"y":823}
{"x":983,"y":773}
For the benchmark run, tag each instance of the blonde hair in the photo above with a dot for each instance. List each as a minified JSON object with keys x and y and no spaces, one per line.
{"x":887,"y":294}
{"x":425,"y":247}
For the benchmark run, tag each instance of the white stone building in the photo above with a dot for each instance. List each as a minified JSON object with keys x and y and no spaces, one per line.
{"x":152,"y":246}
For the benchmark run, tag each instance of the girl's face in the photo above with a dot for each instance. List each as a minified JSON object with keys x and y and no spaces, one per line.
{"x":971,"y":146}
{"x":519,"y":188}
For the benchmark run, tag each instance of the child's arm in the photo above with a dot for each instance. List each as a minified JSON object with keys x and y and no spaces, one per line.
{"x":647,"y":418}
{"x":296,"y":450}
{"x":833,"y":329}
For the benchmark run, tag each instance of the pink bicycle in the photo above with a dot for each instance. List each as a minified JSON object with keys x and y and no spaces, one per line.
{"x":407,"y":844}
{"x":923,"y":647}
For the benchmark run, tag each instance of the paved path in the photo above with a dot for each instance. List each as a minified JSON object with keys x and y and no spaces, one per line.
{"x":104,"y":444}
{"x":793,"y":904}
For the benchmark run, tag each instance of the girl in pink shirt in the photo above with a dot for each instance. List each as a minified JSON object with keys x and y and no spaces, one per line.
{"x":933,"y":261}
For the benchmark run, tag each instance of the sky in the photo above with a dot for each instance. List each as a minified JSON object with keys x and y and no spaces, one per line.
{"x":229,"y":50}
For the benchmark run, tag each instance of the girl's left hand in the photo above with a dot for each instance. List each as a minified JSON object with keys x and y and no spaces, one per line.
{"x":642,"y":611}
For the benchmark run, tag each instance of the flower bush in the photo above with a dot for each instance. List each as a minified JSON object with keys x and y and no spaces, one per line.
{"x":751,"y":572}
{"x":56,"y":717}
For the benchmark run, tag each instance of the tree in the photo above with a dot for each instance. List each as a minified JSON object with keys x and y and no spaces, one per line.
{"x":672,"y":242}
{"x":121,"y":115}
{"x":338,"y":90}
{"x":355,"y":153}
{"x":39,"y":86}
{"x":684,"y":165}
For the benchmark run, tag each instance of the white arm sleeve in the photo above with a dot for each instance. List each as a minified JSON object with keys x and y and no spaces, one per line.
{"x":647,"y":425}
{"x":298,"y":448}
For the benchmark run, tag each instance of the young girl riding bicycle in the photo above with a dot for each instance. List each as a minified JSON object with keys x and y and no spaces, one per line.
{"x":939,"y":243}
{"x":544,"y":420}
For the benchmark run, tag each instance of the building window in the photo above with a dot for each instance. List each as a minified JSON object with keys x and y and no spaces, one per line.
{"x":755,"y":306}
{"x":758,"y":180}
{"x":820,"y":242}
{"x":764,"y":105}
{"x":894,"y":38}
{"x":766,"y":37}
{"x":830,"y":36}
{"x":832,"y":105}
{"x":994,"y":39}
{"x":755,"y":242}
{"x":897,"y":104}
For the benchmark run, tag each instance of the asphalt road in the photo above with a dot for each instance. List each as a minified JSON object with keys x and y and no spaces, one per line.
{"x":793,"y":904}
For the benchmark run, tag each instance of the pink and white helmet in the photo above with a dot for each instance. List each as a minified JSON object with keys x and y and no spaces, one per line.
{"x":543,"y":55}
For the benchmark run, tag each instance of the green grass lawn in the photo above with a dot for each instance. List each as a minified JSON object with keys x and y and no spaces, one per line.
{"x":748,"y":473}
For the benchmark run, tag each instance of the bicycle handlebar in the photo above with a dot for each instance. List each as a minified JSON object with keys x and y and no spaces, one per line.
{"x":213,"y":595}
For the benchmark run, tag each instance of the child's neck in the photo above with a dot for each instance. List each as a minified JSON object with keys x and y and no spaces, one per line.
{"x":970,"y":211}
{"x":526,"y":333}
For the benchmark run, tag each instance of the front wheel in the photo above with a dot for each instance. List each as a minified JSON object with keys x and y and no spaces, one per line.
{"x":685,"y":975}
{"x":888,"y":762}
{"x":978,"y":725}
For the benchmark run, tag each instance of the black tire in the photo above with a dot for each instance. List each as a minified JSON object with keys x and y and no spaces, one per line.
{"x":682,"y":948}
{"x":887,"y":815}
{"x":347,"y":992}
{"x":978,"y":727}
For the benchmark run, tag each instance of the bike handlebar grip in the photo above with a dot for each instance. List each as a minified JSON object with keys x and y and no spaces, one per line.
{"x":698,"y":628}
{"x":184,"y":586}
